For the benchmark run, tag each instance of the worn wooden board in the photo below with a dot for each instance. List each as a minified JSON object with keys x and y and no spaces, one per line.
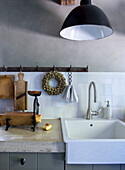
{"x":18,"y":118}
{"x":6,"y":86}
{"x":20,"y":94}
{"x":67,"y":2}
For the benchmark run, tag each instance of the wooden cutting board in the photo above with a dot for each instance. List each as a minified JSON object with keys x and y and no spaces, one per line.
{"x":18,"y":118}
{"x":20,"y":93}
{"x":6,"y":86}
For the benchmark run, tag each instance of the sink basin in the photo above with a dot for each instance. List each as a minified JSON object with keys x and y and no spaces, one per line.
{"x":94,"y":141}
{"x":94,"y":129}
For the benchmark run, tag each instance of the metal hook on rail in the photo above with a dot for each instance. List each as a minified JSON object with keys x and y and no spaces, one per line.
{"x":4,"y":68}
{"x":37,"y":67}
{"x":54,"y":69}
{"x":21,"y":68}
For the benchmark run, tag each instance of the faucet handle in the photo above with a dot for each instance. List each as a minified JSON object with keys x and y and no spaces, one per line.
{"x":94,"y":113}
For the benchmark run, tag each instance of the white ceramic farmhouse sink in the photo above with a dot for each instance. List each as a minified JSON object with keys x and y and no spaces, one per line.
{"x":94,"y":141}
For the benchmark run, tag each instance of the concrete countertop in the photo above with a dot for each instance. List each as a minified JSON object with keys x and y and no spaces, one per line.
{"x":23,"y":139}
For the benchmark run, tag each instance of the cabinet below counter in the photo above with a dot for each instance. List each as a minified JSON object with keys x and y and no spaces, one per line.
{"x":31,"y":161}
{"x":23,"y":139}
{"x":46,"y":161}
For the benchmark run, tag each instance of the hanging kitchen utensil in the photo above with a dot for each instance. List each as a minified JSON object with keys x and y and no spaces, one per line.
{"x":20,"y":94}
{"x":6,"y":86}
{"x":60,"y":80}
{"x":70,"y":93}
{"x":35,"y":106}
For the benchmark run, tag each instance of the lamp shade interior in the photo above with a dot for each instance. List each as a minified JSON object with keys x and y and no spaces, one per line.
{"x":86,"y":32}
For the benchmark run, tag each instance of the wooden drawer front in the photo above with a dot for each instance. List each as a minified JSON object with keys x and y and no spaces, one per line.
{"x":50,"y":161}
{"x":4,"y":161}
{"x":30,"y":161}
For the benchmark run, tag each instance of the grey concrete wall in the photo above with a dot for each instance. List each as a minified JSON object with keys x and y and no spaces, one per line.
{"x":29,"y":35}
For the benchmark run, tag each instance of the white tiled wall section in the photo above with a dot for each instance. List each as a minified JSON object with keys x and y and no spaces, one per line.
{"x":110,"y":86}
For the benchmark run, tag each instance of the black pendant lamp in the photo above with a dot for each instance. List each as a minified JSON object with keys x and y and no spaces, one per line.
{"x":86,"y":22}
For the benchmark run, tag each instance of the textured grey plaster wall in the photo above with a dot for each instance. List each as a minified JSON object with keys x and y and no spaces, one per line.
{"x":29,"y":35}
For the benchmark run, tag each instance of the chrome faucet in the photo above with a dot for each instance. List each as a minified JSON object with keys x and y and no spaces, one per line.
{"x":91,"y":113}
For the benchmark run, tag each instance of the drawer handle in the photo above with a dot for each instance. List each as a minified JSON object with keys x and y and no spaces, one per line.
{"x":22,"y":161}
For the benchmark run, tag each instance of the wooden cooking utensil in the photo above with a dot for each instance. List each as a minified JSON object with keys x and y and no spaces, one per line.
{"x":6,"y":86}
{"x":20,"y":93}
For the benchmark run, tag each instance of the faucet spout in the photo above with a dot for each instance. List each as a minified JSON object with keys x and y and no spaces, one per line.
{"x":89,"y":111}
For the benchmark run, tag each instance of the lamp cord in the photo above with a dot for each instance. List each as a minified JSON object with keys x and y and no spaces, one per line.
{"x":85,"y":2}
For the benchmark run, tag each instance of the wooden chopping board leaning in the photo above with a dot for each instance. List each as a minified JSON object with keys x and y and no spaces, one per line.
{"x":20,"y":93}
{"x":6,"y":86}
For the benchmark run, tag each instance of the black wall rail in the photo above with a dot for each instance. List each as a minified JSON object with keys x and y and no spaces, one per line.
{"x":43,"y":69}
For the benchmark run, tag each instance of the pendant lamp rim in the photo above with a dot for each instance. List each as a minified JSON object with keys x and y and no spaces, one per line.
{"x":61,"y":32}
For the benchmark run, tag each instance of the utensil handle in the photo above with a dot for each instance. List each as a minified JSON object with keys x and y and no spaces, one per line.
{"x":20,"y":76}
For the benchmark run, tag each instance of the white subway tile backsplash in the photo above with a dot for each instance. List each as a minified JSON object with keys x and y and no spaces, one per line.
{"x":118,"y":89}
{"x":82,"y":78}
{"x":82,"y":92}
{"x":70,"y":110}
{"x":124,"y":88}
{"x":102,"y":78}
{"x":47,"y":112}
{"x":118,"y":113}
{"x":124,"y":101}
{"x":118,"y":101}
{"x":96,"y":77}
{"x":58,"y":112}
{"x":116,"y":76}
{"x":109,"y":86}
{"x":106,"y":89}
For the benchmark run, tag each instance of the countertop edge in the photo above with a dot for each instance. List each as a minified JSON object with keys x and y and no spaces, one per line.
{"x":32,"y":146}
